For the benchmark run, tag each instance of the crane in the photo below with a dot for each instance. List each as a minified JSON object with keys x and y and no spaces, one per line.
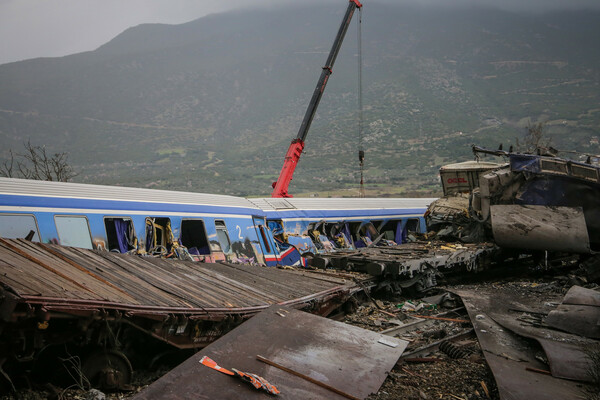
{"x":280,"y":187}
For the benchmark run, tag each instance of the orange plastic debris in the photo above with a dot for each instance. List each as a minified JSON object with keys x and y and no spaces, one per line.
{"x":257,"y":381}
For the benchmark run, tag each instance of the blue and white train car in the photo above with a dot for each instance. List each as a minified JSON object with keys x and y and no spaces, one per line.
{"x":210,"y":227}
{"x":199,"y":226}
{"x":333,"y":223}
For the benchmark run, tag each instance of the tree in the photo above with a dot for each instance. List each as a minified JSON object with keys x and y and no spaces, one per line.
{"x":36,"y":163}
{"x":535,"y":142}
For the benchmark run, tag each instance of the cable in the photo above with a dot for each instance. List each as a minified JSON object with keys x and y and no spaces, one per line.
{"x":361,"y":151}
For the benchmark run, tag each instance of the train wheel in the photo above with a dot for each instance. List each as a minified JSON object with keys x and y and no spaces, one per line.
{"x":108,"y":370}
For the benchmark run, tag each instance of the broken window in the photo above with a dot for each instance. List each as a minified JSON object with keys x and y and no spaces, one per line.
{"x":276,"y":227}
{"x":318,"y":233}
{"x":264,"y":237}
{"x":120,"y":234}
{"x":554,"y":166}
{"x":584,"y":172}
{"x":193,"y":236}
{"x":18,"y":226}
{"x":389,"y":229}
{"x":159,"y":236}
{"x":73,"y":230}
{"x":223,"y":236}
{"x":412,"y":225}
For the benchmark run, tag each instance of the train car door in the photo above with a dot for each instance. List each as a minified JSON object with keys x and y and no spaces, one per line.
{"x":265,"y":239}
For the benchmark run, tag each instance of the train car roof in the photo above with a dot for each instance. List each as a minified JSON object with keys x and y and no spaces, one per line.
{"x":52,"y":189}
{"x":340,"y":207}
{"x":272,"y":207}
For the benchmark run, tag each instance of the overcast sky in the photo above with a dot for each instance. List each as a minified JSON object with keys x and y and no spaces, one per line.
{"x":52,"y":28}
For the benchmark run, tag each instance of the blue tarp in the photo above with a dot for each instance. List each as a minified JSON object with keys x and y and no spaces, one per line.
{"x":524,"y":162}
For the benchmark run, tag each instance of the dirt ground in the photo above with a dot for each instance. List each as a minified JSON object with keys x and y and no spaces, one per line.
{"x":455,"y":373}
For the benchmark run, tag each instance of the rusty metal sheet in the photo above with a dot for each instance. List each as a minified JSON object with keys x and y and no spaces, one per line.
{"x":540,"y":228}
{"x":57,"y":275}
{"x":511,"y":356}
{"x":348,"y":358}
{"x":565,"y":352}
{"x":567,"y":361}
{"x":155,"y":295}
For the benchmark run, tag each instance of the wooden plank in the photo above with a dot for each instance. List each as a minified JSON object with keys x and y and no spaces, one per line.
{"x":132,"y":280}
{"x":286,"y":283}
{"x":140,"y":290}
{"x":45,"y":282}
{"x":245,"y":294}
{"x":140,"y":267}
{"x":75,"y":271}
{"x":77,"y":266}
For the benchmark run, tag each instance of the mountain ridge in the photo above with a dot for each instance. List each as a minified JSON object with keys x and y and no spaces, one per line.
{"x":212,"y":104}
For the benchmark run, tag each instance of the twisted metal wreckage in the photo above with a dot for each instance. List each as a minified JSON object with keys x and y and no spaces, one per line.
{"x":59,"y":302}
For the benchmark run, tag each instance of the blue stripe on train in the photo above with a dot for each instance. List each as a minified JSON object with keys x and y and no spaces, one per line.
{"x":95,"y":204}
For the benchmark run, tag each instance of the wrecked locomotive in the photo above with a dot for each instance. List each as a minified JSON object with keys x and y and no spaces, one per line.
{"x":530,"y":202}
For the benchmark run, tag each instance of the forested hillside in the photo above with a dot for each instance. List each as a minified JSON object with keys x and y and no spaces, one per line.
{"x":212,"y":105}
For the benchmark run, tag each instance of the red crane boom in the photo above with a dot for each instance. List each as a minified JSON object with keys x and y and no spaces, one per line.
{"x":280,"y":188}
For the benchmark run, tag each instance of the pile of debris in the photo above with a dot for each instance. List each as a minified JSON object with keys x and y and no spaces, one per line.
{"x":502,"y":339}
{"x":414,"y":266}
{"x":487,"y":341}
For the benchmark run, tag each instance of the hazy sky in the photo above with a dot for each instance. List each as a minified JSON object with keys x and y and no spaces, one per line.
{"x":52,"y":28}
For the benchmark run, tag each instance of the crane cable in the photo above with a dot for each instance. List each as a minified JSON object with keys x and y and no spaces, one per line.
{"x":361,"y":151}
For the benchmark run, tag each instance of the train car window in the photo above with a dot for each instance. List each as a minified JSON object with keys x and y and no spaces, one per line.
{"x":120,"y":234}
{"x":354,"y":230}
{"x":412,"y":225}
{"x":193,"y":236}
{"x":159,"y":236}
{"x":389,"y":229}
{"x":276,"y":227}
{"x":223,"y":236}
{"x":263,"y":234}
{"x":73,"y":230}
{"x":378,"y":224}
{"x":18,"y":226}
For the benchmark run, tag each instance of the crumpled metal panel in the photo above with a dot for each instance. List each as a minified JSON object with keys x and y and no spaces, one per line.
{"x":579,"y":313}
{"x":503,"y":340}
{"x":580,"y":295}
{"x":351,"y":359}
{"x":540,"y":228}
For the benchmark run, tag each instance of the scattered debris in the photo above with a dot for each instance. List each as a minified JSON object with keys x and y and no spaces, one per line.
{"x":512,"y":354}
{"x":95,"y":394}
{"x":412,"y":266}
{"x":452,"y":350}
{"x":257,"y":381}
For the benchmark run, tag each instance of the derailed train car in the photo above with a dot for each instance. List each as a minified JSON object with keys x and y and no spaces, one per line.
{"x":321,"y":225}
{"x":194,"y":226}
